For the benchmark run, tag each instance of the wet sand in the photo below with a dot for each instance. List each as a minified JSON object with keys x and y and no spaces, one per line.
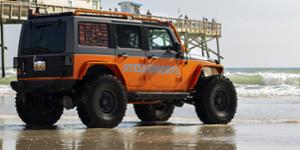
{"x":259,"y":124}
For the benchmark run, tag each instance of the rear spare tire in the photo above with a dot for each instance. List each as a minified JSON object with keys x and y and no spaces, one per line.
{"x":216,"y":101}
{"x":102,"y":102}
{"x":154,"y":112}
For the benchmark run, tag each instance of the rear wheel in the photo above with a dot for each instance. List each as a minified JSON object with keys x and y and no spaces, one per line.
{"x":154,"y":112}
{"x":216,"y":101}
{"x":36,"y":110}
{"x":102,"y":103}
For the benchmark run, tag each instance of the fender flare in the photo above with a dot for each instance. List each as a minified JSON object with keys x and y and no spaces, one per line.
{"x":113,"y":67}
{"x":199,"y":70}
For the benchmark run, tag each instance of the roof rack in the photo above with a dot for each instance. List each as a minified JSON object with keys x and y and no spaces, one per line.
{"x":125,"y":15}
{"x":31,"y":16}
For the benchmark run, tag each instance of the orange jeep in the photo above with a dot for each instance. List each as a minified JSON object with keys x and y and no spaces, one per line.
{"x":101,"y":61}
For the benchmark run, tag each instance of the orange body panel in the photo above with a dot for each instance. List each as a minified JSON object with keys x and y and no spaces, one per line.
{"x":136,"y":80}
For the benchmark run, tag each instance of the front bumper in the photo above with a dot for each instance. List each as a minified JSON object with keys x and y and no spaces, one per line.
{"x":42,"y":86}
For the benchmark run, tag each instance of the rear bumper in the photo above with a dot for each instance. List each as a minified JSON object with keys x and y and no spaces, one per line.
{"x":42,"y":86}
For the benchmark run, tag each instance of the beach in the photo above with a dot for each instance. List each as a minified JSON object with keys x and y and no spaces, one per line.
{"x":260,"y":123}
{"x":268,"y":117}
{"x":253,"y":43}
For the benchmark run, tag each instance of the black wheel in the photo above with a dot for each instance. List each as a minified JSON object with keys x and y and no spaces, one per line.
{"x":102,"y":102}
{"x":39,"y":110}
{"x":154,"y":112}
{"x":216,"y":101}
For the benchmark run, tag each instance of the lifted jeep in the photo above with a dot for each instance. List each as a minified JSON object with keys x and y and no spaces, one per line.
{"x":101,"y":61}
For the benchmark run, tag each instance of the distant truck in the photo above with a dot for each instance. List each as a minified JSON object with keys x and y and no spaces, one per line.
{"x":101,"y":61}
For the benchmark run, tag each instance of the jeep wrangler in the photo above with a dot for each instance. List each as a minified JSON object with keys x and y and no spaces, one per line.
{"x":101,"y":61}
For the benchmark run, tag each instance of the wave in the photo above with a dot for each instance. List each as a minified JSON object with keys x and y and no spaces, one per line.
{"x":266,"y":84}
{"x":9,"y":71}
{"x":265,"y":79}
{"x":6,"y":89}
{"x":286,"y":91}
{"x":10,"y":76}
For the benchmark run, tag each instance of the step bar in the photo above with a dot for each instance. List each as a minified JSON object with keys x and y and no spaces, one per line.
{"x":143,"y":96}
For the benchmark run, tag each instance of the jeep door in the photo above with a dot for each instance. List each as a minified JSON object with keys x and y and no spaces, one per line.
{"x":163,"y":69}
{"x":130,"y":55}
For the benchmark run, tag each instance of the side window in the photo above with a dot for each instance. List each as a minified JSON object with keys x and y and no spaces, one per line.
{"x":159,"y":39}
{"x":93,"y":34}
{"x":128,"y":36}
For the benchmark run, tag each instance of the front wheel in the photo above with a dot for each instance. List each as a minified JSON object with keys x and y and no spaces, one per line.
{"x":216,"y":101}
{"x":39,"y":110}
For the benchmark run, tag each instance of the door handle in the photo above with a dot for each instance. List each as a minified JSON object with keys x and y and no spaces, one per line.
{"x":152,"y":57}
{"x":123,"y":55}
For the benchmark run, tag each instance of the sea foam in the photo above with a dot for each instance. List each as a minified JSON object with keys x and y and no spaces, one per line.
{"x":266,"y":84}
{"x":251,"y":82}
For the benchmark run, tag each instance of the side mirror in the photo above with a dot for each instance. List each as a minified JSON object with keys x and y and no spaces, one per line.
{"x":179,"y":51}
{"x":179,"y":55}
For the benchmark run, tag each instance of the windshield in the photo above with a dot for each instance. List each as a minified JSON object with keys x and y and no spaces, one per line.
{"x":47,"y":37}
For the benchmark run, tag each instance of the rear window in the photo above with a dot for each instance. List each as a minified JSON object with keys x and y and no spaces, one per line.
{"x":93,"y":34}
{"x":47,"y":37}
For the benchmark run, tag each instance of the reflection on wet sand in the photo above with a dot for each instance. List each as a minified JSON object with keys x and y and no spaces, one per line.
{"x":138,"y":137}
{"x":255,"y":127}
{"x":43,"y":140}
{"x":218,"y":137}
{"x":101,"y":139}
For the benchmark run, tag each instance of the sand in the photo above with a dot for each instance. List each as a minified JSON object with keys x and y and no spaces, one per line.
{"x":260,"y":123}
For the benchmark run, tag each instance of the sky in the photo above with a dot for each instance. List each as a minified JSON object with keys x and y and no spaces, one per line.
{"x":256,"y":33}
{"x":11,"y":41}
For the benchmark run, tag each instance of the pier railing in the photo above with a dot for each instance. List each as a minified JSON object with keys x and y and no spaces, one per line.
{"x":19,"y":11}
{"x":192,"y":26}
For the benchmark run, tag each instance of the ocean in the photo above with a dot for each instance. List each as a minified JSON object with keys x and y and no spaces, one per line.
{"x":249,"y":82}
{"x":266,"y":82}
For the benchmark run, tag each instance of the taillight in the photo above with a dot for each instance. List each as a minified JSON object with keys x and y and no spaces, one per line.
{"x":68,"y":60}
{"x":19,"y":72}
{"x":16,"y":62}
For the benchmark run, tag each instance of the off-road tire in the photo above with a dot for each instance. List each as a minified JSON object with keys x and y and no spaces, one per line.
{"x":216,"y":100}
{"x":96,"y":98}
{"x":39,"y":110}
{"x":154,"y":112}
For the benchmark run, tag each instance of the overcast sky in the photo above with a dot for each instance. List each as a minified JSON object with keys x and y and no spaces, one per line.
{"x":256,"y":33}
